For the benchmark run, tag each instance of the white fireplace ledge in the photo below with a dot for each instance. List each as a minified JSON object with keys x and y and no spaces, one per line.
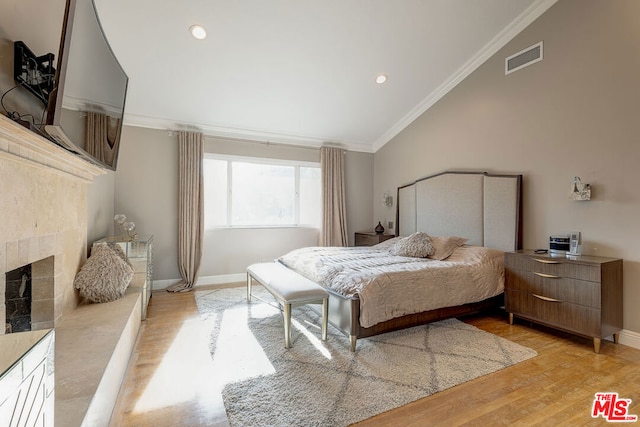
{"x":26,"y":147}
{"x":93,"y":346}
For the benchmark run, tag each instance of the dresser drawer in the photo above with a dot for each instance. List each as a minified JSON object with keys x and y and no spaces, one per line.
{"x":574,"y":318}
{"x":553,"y":266}
{"x":567,"y":290}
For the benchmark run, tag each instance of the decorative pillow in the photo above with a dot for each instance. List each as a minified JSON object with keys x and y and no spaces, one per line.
{"x":387,"y":244}
{"x":417,"y":245}
{"x":106,"y":274}
{"x":443,"y":247}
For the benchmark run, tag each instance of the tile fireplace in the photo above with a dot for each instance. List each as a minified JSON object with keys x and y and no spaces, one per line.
{"x":43,"y":211}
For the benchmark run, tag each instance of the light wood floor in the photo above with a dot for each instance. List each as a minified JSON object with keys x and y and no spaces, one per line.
{"x":170,"y":381}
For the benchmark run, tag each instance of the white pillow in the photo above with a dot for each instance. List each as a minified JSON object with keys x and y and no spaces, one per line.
{"x":417,"y":245}
{"x":106,"y":274}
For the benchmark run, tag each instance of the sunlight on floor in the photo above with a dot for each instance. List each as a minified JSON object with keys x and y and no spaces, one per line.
{"x":238,"y":348}
{"x":183,"y":373}
{"x":187,"y":369}
{"x":313,"y":339}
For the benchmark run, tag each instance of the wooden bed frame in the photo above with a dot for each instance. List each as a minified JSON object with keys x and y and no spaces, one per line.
{"x":484,"y":208}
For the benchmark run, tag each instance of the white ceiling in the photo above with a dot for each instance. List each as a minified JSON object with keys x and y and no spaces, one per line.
{"x":302,"y":72}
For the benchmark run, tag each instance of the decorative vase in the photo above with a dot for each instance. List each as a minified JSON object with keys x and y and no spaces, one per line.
{"x":379,"y":228}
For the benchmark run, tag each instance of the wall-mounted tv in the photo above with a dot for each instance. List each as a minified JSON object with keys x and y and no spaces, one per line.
{"x":83,"y":109}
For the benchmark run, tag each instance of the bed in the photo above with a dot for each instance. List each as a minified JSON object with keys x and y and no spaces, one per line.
{"x":473,"y":216}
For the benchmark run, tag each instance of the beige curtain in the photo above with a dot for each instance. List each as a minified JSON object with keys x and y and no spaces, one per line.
{"x":190,"y":209}
{"x":334,"y":212}
{"x":102,"y":137}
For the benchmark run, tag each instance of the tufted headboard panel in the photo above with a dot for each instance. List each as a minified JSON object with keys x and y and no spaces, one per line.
{"x":484,"y":208}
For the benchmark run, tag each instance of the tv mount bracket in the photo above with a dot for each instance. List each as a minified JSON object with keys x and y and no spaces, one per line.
{"x":35,"y":73}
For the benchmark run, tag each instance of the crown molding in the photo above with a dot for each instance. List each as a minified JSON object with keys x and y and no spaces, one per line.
{"x":532,"y":13}
{"x":83,"y":105}
{"x":242,"y":134}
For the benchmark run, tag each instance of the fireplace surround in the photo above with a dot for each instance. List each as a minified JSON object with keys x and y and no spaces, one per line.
{"x":43,"y":200}
{"x":44,"y":212}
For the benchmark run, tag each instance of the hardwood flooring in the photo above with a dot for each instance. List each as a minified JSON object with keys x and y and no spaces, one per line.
{"x":170,"y":381}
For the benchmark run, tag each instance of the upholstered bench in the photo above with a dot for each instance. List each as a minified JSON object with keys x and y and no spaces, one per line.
{"x":289,"y":289}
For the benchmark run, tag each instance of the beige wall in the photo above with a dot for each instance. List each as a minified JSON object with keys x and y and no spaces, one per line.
{"x":40,"y":31}
{"x":100,"y":196}
{"x":359,"y":193}
{"x":575,"y":113}
{"x":146,"y":190}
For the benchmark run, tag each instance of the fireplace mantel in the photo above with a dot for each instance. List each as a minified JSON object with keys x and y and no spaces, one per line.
{"x":22,"y":145}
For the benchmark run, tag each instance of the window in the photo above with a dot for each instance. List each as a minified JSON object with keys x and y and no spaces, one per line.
{"x":249,"y":192}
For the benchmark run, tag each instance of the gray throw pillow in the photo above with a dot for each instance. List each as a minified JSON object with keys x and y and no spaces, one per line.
{"x":106,"y":274}
{"x":417,"y":245}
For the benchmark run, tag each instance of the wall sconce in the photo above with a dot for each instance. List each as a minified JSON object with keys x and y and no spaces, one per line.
{"x":387,"y":200}
{"x":580,"y":191}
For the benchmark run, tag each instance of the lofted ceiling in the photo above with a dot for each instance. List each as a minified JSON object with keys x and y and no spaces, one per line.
{"x":303,"y":72}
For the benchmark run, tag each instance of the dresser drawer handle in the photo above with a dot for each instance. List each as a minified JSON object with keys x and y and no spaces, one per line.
{"x":549,"y":276}
{"x":546,"y":261}
{"x":546,"y":298}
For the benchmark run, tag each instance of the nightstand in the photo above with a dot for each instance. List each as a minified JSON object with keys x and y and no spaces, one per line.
{"x":371,"y":238}
{"x":581,"y":295}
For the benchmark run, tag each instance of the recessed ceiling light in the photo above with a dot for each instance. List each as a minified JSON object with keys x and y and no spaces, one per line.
{"x":381,"y":78}
{"x":198,"y":32}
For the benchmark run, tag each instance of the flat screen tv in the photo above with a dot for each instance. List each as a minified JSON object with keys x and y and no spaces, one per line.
{"x":75,"y":97}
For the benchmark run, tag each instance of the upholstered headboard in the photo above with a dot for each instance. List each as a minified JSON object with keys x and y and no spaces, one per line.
{"x":484,"y":208}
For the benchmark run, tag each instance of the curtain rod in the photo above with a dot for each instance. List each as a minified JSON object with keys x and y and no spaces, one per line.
{"x":267,"y":142}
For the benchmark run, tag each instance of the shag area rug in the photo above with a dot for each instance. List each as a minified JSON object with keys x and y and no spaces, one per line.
{"x":316,"y":383}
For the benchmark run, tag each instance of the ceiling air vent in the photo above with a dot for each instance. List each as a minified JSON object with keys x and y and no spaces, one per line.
{"x":525,"y":57}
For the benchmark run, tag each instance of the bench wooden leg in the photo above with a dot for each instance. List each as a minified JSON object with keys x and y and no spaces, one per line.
{"x":287,"y":325}
{"x":325,"y":317}
{"x":353,"y":339}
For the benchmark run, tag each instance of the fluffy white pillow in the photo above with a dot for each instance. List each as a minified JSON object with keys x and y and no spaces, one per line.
{"x":443,"y":247}
{"x":417,"y":245}
{"x":106,"y":274}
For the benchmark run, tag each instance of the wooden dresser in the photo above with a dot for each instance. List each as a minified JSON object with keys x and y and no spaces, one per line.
{"x":581,"y":295}
{"x":370,"y":239}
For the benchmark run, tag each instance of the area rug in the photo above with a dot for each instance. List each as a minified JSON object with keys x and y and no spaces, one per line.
{"x":316,"y":383}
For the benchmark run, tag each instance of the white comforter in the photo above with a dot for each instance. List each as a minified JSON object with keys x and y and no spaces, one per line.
{"x":392,"y":286}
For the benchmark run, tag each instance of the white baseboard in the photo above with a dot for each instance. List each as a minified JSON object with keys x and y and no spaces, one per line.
{"x":163,"y":284}
{"x":221,"y":279}
{"x":630,"y":338}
